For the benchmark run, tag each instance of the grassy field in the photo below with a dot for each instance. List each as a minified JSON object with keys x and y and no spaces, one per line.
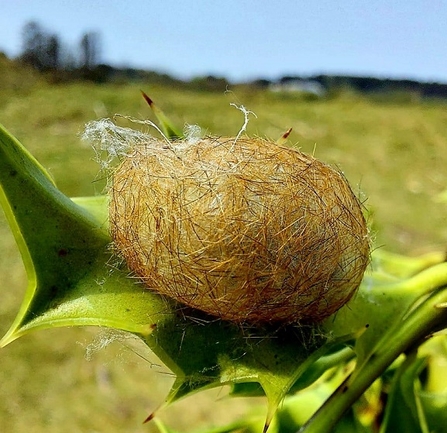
{"x":394,"y":155}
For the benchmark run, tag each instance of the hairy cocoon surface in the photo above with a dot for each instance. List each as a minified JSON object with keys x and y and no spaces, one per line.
{"x":245,"y":230}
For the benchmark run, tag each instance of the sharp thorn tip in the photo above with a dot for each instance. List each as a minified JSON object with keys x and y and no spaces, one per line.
{"x":149,"y":418}
{"x":147,"y":99}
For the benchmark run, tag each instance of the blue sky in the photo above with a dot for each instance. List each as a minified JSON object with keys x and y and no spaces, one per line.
{"x":245,"y":39}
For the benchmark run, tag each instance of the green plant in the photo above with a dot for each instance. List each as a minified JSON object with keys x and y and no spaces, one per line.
{"x":382,"y":341}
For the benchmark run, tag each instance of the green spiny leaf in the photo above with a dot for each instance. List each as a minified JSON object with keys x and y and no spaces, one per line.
{"x":65,"y":250}
{"x":74,"y":279}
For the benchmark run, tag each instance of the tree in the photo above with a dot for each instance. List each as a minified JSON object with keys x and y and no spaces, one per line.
{"x":53,"y":52}
{"x":33,"y":38}
{"x":90,"y":50}
{"x":40,"y":50}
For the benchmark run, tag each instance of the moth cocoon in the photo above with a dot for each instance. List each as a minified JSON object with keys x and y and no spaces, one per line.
{"x":245,"y":230}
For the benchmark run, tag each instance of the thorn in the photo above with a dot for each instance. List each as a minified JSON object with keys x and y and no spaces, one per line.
{"x":147,"y":99}
{"x":149,"y":418}
{"x":169,"y":130}
{"x":284,"y":137}
{"x":266,"y":427}
{"x":287,"y":133}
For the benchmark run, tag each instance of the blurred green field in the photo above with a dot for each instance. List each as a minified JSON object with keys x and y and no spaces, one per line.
{"x":394,"y":155}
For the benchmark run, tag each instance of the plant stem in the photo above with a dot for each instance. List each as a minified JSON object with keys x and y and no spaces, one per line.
{"x":425,"y":319}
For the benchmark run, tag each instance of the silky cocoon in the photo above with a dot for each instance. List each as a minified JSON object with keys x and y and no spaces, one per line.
{"x":243,"y":229}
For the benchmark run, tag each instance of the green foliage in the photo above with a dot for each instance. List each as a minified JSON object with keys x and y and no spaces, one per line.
{"x":64,"y":245}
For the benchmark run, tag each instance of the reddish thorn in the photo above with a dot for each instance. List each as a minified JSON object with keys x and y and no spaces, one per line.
{"x":287,"y":133}
{"x":149,"y":418}
{"x":147,"y":99}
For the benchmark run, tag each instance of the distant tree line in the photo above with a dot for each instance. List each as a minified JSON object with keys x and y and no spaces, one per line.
{"x":369,"y":85}
{"x":384,"y":85}
{"x":46,"y":52}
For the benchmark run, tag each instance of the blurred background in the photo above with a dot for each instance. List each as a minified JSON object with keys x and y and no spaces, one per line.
{"x":362,"y":84}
